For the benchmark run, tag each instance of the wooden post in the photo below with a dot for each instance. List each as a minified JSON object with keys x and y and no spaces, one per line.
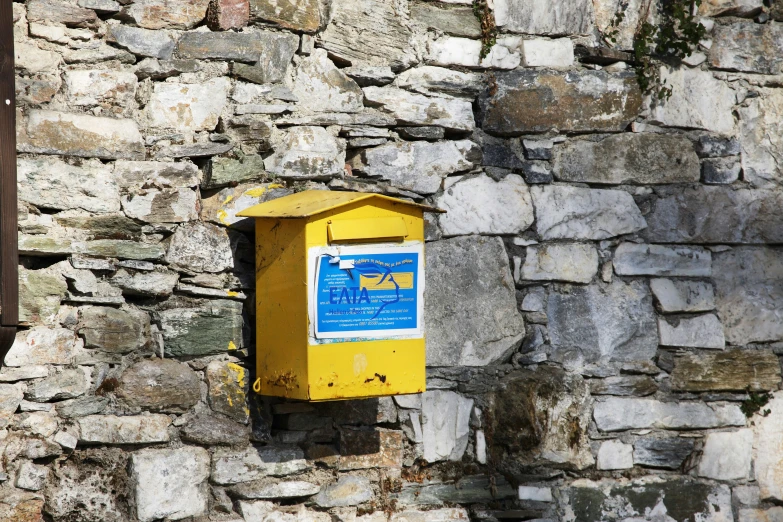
{"x":9,"y":252}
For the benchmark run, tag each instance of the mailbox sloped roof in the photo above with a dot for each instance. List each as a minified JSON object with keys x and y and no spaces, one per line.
{"x":312,"y":202}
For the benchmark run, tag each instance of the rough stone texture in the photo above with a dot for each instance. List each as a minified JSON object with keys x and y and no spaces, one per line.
{"x":223,"y":206}
{"x":459,"y":21}
{"x":485,"y":287}
{"x":667,"y":453}
{"x":704,"y":214}
{"x":733,"y":370}
{"x":451,"y":51}
{"x":445,"y":417}
{"x":162,"y":206}
{"x":727,"y":455}
{"x":614,"y":454}
{"x":761,"y":138}
{"x":418,"y":166}
{"x":541,"y":52}
{"x":382,"y":39}
{"x":701,"y":331}
{"x":212,"y":327}
{"x":322,"y":87}
{"x":187,"y":107}
{"x":70,"y":134}
{"x":306,"y":153}
{"x":214,"y":429}
{"x":628,"y":158}
{"x":65,"y":384}
{"x":228,"y":384}
{"x":748,"y":293}
{"x":160,"y":14}
{"x":297,"y":15}
{"x":480,"y":205}
{"x":348,"y":491}
{"x":159,"y":385}
{"x":625,"y":385}
{"x":170,"y":483}
{"x":114,"y":331}
{"x":40,"y":293}
{"x":639,"y":259}
{"x":565,"y":212}
{"x":602,"y":324}
{"x":748,"y":47}
{"x":416,"y":109}
{"x":200,"y":247}
{"x":616,"y":414}
{"x":541,"y":417}
{"x":100,"y":87}
{"x":730,"y":7}
{"x":109,"y":429}
{"x":228,"y":14}
{"x":767,"y":460}
{"x":698,"y":101}
{"x":571,"y":262}
{"x":526,"y":101}
{"x":142,"y":42}
{"x":439,"y":80}
{"x":683,"y":296}
{"x":42,"y":345}
{"x":553,"y":18}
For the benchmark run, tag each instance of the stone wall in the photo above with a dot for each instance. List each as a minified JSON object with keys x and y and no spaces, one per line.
{"x":604,"y":294}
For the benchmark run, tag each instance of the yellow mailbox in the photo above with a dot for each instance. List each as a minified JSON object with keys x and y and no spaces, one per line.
{"x":339,"y":295}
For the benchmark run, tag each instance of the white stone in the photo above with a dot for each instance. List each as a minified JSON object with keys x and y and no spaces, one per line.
{"x":541,"y":52}
{"x":10,"y":397}
{"x":439,"y":80}
{"x":573,"y":262}
{"x":410,"y":401}
{"x":727,"y":455}
{"x":761,"y":138}
{"x":458,"y":514}
{"x":605,"y":11}
{"x":31,"y":477}
{"x":480,"y":205}
{"x":66,"y":440}
{"x":701,"y":331}
{"x":445,"y":425}
{"x":683,"y":296}
{"x":99,"y":87}
{"x":544,"y":17}
{"x":451,"y":50}
{"x":774,"y":514}
{"x":187,"y":107}
{"x":135,"y":175}
{"x":306,"y":153}
{"x":40,"y":423}
{"x":416,"y":109}
{"x":661,"y":260}
{"x":767,"y":457}
{"x":322,"y":87}
{"x":162,"y":206}
{"x":536,"y":494}
{"x":617,"y":414}
{"x":232,"y":466}
{"x":170,"y":483}
{"x":614,"y":454}
{"x":481,"y":447}
{"x":110,"y":429}
{"x":43,"y":345}
{"x":200,"y":247}
{"x":698,"y":100}
{"x":26,"y":372}
{"x":730,"y":7}
{"x":32,"y":59}
{"x":565,"y":212}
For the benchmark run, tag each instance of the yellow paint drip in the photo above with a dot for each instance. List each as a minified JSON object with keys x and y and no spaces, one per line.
{"x":232,"y":346}
{"x":231,"y":293}
{"x":240,"y":373}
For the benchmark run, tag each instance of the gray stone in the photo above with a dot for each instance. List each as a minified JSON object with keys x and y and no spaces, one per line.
{"x":306,"y":153}
{"x":568,"y":101}
{"x":664,"y":453}
{"x":114,"y":331}
{"x":197,"y":150}
{"x":160,"y":282}
{"x":58,"y":11}
{"x":732,"y":370}
{"x":299,"y":16}
{"x":221,"y":172}
{"x":720,"y":171}
{"x":322,"y":87}
{"x":748,"y":47}
{"x":222,"y":207}
{"x":480,"y":205}
{"x":702,"y":331}
{"x":24,"y":373}
{"x":628,"y":158}
{"x":600,"y":324}
{"x":717,"y":146}
{"x":614,"y":454}
{"x":103,"y":6}
{"x":616,"y":414}
{"x":228,"y":387}
{"x":698,"y":101}
{"x":625,"y":385}
{"x":82,"y":406}
{"x":417,"y":166}
{"x":366,"y":75}
{"x":187,"y":107}
{"x":573,"y":262}
{"x":523,"y":16}
{"x":457,"y":21}
{"x":99,"y":53}
{"x":439,"y":80}
{"x":774,"y":514}
{"x":142,"y":42}
{"x":40,"y":293}
{"x":537,"y":172}
{"x":444,"y":423}
{"x":230,"y":466}
{"x":162,"y":206}
{"x":471,"y":489}
{"x":166,"y":14}
{"x":486,"y":327}
{"x":761,"y":139}
{"x":170,"y":483}
{"x":749,"y":294}
{"x":349,"y":490}
{"x":211,"y":328}
{"x":683,"y":296}
{"x":110,"y":429}
{"x":416,"y":109}
{"x":160,"y":70}
{"x":272,"y":51}
{"x":161,"y":385}
{"x":565,"y":212}
{"x":10,"y":398}
{"x":726,"y":455}
{"x":137,"y":175}
{"x":660,"y":260}
{"x":200,"y":247}
{"x":65,"y":384}
{"x":31,"y":477}
{"x":280,"y":490}
{"x":384,"y":39}
{"x":70,"y":134}
{"x":421,"y":133}
{"x":744,"y":8}
{"x":214,"y":430}
{"x":713,"y":214}
{"x":49,"y":246}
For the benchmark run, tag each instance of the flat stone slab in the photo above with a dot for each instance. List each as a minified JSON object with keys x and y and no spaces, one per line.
{"x":617,"y":414}
{"x":700,"y":331}
{"x":674,"y":295}
{"x":661,"y":260}
{"x":747,"y":46}
{"x":732,"y":370}
{"x":571,"y":262}
{"x":111,"y":429}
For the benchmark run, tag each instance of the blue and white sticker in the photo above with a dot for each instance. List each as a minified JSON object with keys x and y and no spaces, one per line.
{"x":367,"y":292}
